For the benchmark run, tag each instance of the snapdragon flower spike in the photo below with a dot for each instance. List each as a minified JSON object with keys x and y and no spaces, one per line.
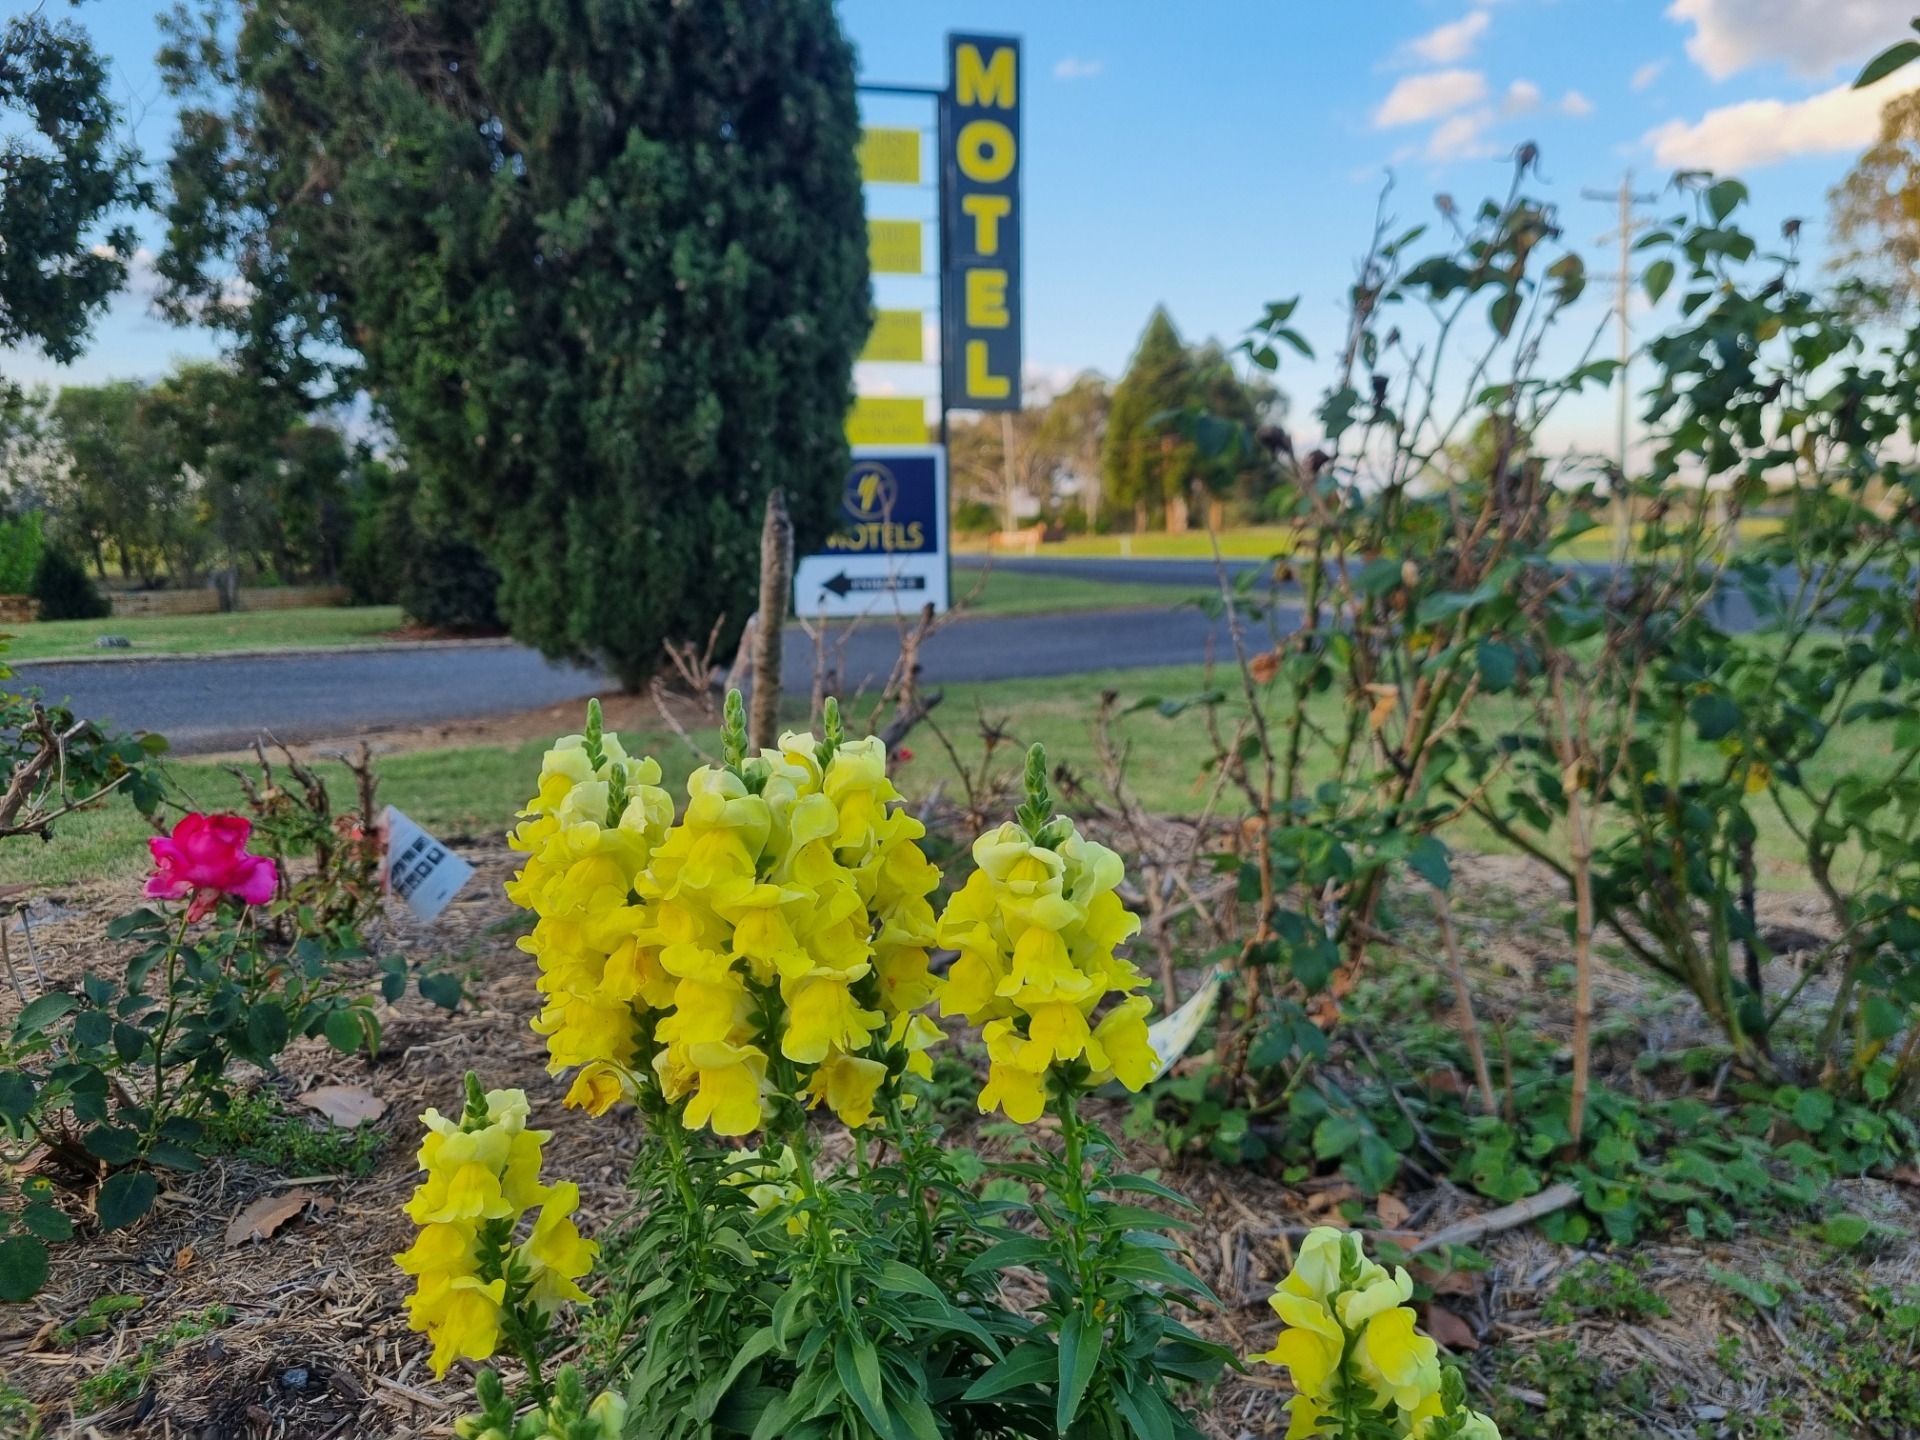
{"x":1036,"y":926}
{"x":482,"y":1176}
{"x":587,"y":832}
{"x":790,"y":905}
{"x":1348,"y":1329}
{"x":778,"y":931}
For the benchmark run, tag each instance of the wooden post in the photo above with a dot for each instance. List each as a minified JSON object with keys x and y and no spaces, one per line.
{"x":776,"y":583}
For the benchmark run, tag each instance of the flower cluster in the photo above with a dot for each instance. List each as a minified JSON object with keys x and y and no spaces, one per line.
{"x":206,"y":857}
{"x":772,"y":943}
{"x":1035,"y":926}
{"x":1350,"y":1347}
{"x":473,"y":1283}
{"x":586,"y":834}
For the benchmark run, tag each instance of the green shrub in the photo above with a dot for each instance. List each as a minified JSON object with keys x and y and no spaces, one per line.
{"x":65,"y":590}
{"x":21,"y":541}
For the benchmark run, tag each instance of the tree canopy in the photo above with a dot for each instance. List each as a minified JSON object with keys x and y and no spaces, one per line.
{"x":64,"y":177}
{"x":602,"y":268}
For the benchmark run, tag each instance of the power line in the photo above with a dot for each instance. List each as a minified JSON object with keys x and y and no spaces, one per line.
{"x":1627,"y":226}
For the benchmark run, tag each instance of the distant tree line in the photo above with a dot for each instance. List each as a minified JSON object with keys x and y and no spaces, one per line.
{"x":1100,"y":456}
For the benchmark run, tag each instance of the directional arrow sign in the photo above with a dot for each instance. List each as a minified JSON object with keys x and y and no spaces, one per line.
{"x":844,"y":584}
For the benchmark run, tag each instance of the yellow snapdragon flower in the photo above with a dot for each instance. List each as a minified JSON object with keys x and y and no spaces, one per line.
{"x":1035,"y":928}
{"x":1346,"y":1320}
{"x":482,"y":1175}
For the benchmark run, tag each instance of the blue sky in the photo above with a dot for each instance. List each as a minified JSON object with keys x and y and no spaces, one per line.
{"x":1215,"y":154}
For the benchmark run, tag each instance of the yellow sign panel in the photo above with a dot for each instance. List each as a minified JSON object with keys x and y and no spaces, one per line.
{"x":887,"y":420}
{"x":894,"y":247}
{"x":897,"y":335}
{"x":889,"y":157}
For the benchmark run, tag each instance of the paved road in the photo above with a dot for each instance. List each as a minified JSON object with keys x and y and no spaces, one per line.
{"x":221,"y":704}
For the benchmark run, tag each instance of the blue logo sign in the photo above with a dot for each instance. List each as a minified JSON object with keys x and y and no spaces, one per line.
{"x":890,"y":506}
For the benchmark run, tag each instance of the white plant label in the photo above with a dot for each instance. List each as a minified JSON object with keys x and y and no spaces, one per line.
{"x":420,"y":870}
{"x":1172,"y":1035}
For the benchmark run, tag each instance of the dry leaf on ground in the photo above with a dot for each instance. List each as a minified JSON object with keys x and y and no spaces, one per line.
{"x":266,"y":1215}
{"x":1450,"y":1330}
{"x":1392,"y":1211}
{"x":344,"y":1105}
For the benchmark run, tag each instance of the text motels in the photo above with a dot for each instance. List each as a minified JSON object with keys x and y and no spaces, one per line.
{"x":980,"y":171}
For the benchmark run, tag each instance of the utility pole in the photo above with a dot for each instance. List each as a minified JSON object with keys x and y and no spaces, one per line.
{"x":1628,"y":226}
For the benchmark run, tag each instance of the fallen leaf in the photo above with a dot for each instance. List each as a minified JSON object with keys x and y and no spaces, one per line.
{"x":1446,"y":1282}
{"x":1450,"y":1330}
{"x":1907,"y":1175}
{"x":182,"y":1258}
{"x":345,"y":1105}
{"x":1392,"y":1211}
{"x":1331,"y":1199}
{"x":266,"y":1215}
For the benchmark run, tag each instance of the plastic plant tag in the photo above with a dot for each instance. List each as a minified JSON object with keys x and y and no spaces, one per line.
{"x":1172,"y":1035}
{"x":419,"y":869}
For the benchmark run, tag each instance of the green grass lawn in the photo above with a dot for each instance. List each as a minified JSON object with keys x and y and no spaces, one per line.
{"x":473,"y":791}
{"x":1009,"y":592}
{"x":1257,"y":542}
{"x":194,"y":634}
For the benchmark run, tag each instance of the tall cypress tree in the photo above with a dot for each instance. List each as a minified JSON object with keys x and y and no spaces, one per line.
{"x":601,"y":263}
{"x":1145,"y":460}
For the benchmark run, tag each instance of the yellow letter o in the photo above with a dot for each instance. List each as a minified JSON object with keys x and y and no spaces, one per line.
{"x":986,"y":151}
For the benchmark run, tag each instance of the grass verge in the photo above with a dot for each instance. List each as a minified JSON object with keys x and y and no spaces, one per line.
{"x":197,"y":634}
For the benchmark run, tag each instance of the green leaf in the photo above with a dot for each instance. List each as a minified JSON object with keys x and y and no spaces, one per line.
{"x":1758,"y":1292}
{"x":1030,"y":1363}
{"x":442,"y":989}
{"x":1845,"y":1231}
{"x":1656,"y":278}
{"x":898,"y":1278}
{"x":1145,"y":1412}
{"x":23,"y":1268}
{"x":128,"y":1041}
{"x":712,"y":1391}
{"x":1724,"y":198}
{"x":40,"y":1013}
{"x":1080,"y":1341}
{"x":1498,"y":663}
{"x":115,"y":1144}
{"x":47,"y":1221}
{"x":1895,"y":57}
{"x":16,"y":1094}
{"x":1813,"y":1110}
{"x":1334,"y":1136}
{"x":1714,"y":715}
{"x":267,"y":1029}
{"x":125,"y":1197}
{"x":858,"y":1365}
{"x":344,"y":1031}
{"x":1428,"y":860}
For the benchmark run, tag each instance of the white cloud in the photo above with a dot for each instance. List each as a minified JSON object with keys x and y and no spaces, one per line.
{"x":1523,"y":98}
{"x":1575,"y":104}
{"x":1446,"y":43}
{"x":1076,"y":67}
{"x":1647,"y":74}
{"x":1762,"y":132}
{"x":1812,"y":36}
{"x":1427,"y":97}
{"x":1462,"y":137}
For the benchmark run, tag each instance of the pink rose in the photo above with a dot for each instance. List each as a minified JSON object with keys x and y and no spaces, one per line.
{"x":206,"y":857}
